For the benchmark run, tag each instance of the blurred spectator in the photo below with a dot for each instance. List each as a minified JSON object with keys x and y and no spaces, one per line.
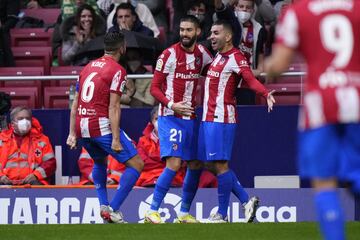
{"x":157,"y":8}
{"x":86,"y":163}
{"x":264,"y":12}
{"x":5,"y":106}
{"x":203,"y":13}
{"x":134,"y":65}
{"x":9,"y":10}
{"x":26,"y":154}
{"x":34,"y":4}
{"x":126,"y":18}
{"x":253,"y":35}
{"x":68,"y":9}
{"x":79,"y":30}
{"x":143,"y":12}
{"x":149,"y":150}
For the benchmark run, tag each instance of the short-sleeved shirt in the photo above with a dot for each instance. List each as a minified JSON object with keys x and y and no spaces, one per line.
{"x":327,"y":34}
{"x":96,"y":81}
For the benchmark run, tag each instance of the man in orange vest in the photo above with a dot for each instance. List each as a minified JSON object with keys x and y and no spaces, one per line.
{"x":26,"y":154}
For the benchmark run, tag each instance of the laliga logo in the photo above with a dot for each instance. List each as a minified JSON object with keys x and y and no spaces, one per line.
{"x":165,"y":213}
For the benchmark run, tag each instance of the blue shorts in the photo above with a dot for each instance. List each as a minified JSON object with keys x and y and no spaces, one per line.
{"x":177,"y":137}
{"x":100,"y":147}
{"x":216,"y":141}
{"x":330,"y":151}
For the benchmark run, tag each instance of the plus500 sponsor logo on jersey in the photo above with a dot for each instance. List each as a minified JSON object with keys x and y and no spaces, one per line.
{"x":172,"y":203}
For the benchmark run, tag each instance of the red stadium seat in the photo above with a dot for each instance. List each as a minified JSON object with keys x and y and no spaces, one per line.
{"x":22,"y":96}
{"x":162,"y":35}
{"x":65,"y":70}
{"x":31,"y":38}
{"x":33,"y":57}
{"x":49,"y":15}
{"x":56,"y":97}
{"x":23,"y":71}
{"x":285,"y":93}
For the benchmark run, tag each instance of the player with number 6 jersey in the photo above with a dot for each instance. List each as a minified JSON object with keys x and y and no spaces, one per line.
{"x":327,"y":34}
{"x":95,"y":120}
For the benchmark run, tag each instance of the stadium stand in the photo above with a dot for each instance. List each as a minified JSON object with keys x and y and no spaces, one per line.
{"x":33,"y":57}
{"x":56,"y":97}
{"x":285,"y":93}
{"x":23,"y":96}
{"x":49,"y":15}
{"x":23,"y":37}
{"x":23,"y":71}
{"x":65,"y":70}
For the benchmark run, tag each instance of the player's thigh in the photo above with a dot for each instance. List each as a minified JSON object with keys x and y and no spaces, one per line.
{"x":129,"y":148}
{"x":177,"y":137}
{"x":94,"y":149}
{"x":319,"y":152}
{"x":217,"y":140}
{"x":350,"y":164}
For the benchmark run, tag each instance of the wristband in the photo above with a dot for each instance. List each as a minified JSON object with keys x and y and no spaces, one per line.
{"x":169,"y":105}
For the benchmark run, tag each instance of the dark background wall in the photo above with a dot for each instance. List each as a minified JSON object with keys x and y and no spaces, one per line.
{"x":265,"y":143}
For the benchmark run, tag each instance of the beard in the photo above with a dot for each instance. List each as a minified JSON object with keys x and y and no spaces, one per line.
{"x":187,"y":43}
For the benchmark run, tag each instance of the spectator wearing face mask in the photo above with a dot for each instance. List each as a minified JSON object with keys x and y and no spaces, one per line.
{"x":203,"y":13}
{"x":26,"y":154}
{"x":252,"y":45}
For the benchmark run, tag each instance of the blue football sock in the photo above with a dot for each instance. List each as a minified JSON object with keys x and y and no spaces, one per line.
{"x":191,"y":183}
{"x":330,"y":215}
{"x":238,"y":190}
{"x":162,"y":187}
{"x":99,"y":175}
{"x":127,"y":181}
{"x":224,"y":189}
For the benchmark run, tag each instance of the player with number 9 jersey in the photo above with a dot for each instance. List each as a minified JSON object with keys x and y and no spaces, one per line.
{"x":327,"y":34}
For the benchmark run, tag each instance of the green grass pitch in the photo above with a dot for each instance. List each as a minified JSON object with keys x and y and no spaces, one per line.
{"x":268,"y":231}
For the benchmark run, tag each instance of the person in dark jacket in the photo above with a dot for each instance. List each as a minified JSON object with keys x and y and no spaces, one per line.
{"x":77,"y":31}
{"x":9,"y":10}
{"x":126,"y":18}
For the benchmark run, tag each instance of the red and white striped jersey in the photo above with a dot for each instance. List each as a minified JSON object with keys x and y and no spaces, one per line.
{"x":223,"y":77}
{"x":327,"y":33}
{"x":176,"y":76}
{"x":96,"y":81}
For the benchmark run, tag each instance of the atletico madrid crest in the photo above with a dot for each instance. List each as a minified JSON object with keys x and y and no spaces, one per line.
{"x":174,"y":146}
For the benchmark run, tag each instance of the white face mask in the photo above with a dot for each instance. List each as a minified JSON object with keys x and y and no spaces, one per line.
{"x":242,"y":16}
{"x":24,"y":126}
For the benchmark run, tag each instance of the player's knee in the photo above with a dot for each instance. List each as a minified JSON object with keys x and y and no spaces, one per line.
{"x":136,"y":162}
{"x":195,"y":164}
{"x":173,"y":163}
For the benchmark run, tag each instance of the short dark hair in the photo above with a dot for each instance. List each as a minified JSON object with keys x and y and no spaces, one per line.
{"x":226,"y":25}
{"x":113,"y":41}
{"x":192,"y":19}
{"x":126,"y":6}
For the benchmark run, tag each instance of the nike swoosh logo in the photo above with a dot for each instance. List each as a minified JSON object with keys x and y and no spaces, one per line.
{"x":212,"y":154}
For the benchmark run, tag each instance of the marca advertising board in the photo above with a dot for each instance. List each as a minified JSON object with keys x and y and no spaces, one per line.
{"x":77,"y":205}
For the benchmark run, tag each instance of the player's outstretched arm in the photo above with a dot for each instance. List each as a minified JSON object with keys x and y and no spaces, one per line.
{"x":71,"y":140}
{"x":279,"y":61}
{"x":114,"y":116}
